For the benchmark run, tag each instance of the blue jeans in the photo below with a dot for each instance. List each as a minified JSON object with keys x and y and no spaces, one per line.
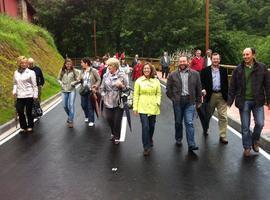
{"x":184,"y":111}
{"x":148,"y":127}
{"x":88,"y":108}
{"x":258,"y":113}
{"x":68,"y":100}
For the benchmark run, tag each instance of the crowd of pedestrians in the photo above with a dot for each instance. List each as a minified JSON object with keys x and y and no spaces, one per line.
{"x":198,"y":84}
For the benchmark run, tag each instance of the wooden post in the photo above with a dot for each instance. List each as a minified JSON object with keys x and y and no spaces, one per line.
{"x":206,"y":25}
{"x":95,"y":41}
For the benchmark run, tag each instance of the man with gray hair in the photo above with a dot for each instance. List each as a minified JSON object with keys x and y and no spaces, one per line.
{"x":39,"y":75}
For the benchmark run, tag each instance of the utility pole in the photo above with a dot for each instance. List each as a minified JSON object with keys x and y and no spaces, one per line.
{"x":95,"y":38}
{"x":206,"y":25}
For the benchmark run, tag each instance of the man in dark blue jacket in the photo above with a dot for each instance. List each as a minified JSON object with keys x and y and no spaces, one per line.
{"x":39,"y":75}
{"x":250,"y":88}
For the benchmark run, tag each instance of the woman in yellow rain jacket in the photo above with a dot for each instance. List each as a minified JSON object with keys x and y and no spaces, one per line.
{"x":146,"y":103}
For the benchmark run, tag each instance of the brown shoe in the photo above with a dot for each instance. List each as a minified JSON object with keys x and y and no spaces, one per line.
{"x":146,"y":152}
{"x":70,"y":125}
{"x":246,"y":152}
{"x":223,"y":140}
{"x":255,"y":147}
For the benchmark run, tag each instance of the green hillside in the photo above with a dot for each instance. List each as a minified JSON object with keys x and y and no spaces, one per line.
{"x":21,"y":38}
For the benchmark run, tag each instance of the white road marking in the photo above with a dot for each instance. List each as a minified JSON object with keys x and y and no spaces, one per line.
{"x":163,"y":85}
{"x":264,"y":153}
{"x":17,"y":131}
{"x":123,"y":129}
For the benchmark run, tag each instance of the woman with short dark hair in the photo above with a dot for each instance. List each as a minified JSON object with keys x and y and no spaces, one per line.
{"x":90,"y":81}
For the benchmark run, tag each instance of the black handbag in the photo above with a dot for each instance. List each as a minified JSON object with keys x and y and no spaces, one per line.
{"x":126,"y":97}
{"x":84,"y":90}
{"x":36,"y":109}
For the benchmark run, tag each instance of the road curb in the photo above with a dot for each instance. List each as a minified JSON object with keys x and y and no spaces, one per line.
{"x":264,"y":140}
{"x":11,"y":124}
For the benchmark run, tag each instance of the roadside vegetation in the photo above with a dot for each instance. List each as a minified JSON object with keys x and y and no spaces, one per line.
{"x":20,"y":38}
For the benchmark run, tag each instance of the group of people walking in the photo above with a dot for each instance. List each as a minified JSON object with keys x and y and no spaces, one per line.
{"x":207,"y":89}
{"x":194,"y":85}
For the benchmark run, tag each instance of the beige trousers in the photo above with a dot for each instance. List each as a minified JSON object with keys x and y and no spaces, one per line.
{"x":218,"y":102}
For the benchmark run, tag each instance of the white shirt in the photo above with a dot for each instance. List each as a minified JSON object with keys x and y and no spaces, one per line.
{"x":25,"y":85}
{"x":209,"y":61}
{"x":86,"y":75}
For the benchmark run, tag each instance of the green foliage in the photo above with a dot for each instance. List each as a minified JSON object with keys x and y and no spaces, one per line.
{"x":150,"y":27}
{"x":263,"y":50}
{"x":50,"y":88}
{"x":17,"y":30}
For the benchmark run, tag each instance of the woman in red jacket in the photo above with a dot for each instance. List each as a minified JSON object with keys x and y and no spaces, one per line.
{"x":137,"y":71}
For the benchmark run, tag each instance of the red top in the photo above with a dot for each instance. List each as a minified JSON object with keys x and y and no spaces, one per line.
{"x":137,"y":71}
{"x":197,"y":63}
{"x":100,"y":69}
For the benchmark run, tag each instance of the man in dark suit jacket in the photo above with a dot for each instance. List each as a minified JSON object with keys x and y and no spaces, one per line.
{"x":135,"y":61}
{"x":184,"y":89}
{"x":207,"y":58}
{"x":165,"y":64}
{"x":215,"y":90}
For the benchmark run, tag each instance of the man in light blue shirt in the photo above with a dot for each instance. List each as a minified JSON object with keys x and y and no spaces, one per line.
{"x":215,"y":90}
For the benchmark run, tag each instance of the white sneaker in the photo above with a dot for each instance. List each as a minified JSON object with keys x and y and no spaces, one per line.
{"x":86,"y":120}
{"x":91,"y":124}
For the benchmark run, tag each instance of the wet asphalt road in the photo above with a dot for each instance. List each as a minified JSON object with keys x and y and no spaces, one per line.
{"x":56,"y":162}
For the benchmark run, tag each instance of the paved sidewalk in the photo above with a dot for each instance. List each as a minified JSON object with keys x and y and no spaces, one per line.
{"x":234,"y":121}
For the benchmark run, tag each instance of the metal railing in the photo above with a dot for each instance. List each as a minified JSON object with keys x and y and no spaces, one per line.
{"x":156,"y":63}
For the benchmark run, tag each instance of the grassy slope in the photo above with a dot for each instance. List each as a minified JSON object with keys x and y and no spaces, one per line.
{"x":21,"y":38}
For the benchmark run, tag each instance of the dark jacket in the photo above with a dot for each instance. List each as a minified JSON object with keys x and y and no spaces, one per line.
{"x":260,"y":78}
{"x":205,"y":61}
{"x":163,"y":63}
{"x":174,"y":86}
{"x":39,"y":75}
{"x":207,"y":82}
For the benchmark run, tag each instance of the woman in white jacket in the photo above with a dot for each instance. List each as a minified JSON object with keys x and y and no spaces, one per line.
{"x":25,"y":91}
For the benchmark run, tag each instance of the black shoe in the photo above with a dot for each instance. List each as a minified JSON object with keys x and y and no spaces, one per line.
{"x":193,"y":148}
{"x":223,"y":140}
{"x":23,"y":131}
{"x":205,"y":133}
{"x":178,"y":142}
{"x":112,"y":138}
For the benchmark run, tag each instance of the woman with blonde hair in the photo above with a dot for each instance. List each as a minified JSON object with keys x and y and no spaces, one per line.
{"x":146,"y":103}
{"x":112,"y":84}
{"x":25,"y":91}
{"x":68,"y":78}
